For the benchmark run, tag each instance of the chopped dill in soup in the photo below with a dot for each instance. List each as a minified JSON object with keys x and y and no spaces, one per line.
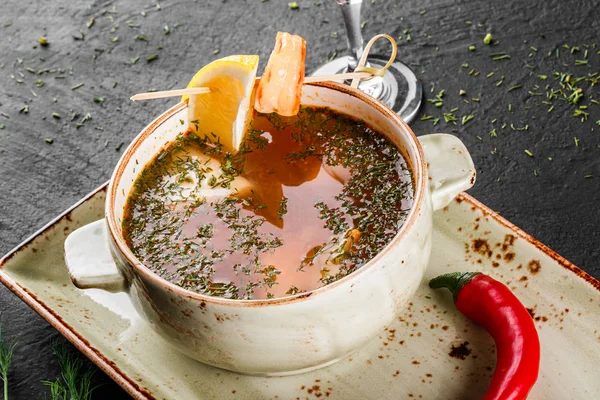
{"x":306,"y":201}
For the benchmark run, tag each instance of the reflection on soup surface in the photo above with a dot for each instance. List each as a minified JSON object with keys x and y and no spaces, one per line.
{"x":304,"y":202}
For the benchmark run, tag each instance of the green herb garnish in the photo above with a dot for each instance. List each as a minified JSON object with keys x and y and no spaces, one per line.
{"x":86,"y":118}
{"x":581,"y":113}
{"x":450,"y":118}
{"x":164,"y":200}
{"x":467,"y":118}
{"x":282,"y":207}
{"x":6,"y":354}
{"x":501,"y":57}
{"x":76,"y":379}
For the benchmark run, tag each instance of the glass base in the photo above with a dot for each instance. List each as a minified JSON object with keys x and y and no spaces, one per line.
{"x":398,"y":89}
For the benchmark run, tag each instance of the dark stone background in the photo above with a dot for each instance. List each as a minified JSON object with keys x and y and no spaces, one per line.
{"x":558,"y":203}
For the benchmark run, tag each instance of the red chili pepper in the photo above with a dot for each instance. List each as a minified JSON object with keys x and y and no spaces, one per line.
{"x":492,"y":305}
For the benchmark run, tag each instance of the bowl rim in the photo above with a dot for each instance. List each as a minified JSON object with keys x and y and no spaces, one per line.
{"x":419,"y":171}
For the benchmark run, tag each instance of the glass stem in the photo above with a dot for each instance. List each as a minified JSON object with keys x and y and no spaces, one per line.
{"x":351,"y":14}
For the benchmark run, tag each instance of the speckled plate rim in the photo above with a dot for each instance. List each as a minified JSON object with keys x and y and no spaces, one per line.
{"x":46,"y":312}
{"x":112,"y":370}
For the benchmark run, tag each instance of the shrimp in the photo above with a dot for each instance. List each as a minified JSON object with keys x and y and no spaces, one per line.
{"x":280,"y":87}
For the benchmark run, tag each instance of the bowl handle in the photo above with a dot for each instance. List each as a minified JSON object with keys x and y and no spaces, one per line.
{"x":449,"y":166}
{"x":89,"y":260}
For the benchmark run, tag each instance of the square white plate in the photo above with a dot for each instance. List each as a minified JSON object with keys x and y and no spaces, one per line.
{"x":430,"y":352}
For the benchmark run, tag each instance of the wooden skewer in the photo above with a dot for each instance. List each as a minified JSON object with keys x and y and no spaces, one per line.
{"x":169,"y":93}
{"x":337,"y":77}
{"x":201,"y":90}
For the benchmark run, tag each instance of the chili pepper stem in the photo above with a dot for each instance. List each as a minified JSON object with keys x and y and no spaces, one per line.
{"x":453,"y":281}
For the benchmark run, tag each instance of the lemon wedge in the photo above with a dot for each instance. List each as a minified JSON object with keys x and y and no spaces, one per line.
{"x":224,"y":112}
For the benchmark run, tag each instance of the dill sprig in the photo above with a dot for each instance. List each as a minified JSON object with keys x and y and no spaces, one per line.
{"x":75,"y":381}
{"x":6,"y":353}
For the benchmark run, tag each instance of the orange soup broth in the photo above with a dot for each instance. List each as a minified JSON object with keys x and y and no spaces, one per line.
{"x":292,"y":218}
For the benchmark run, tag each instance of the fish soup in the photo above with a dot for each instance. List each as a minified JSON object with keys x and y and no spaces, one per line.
{"x":305,"y":201}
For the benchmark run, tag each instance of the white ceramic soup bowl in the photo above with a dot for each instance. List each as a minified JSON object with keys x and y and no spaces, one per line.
{"x":285,"y":335}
